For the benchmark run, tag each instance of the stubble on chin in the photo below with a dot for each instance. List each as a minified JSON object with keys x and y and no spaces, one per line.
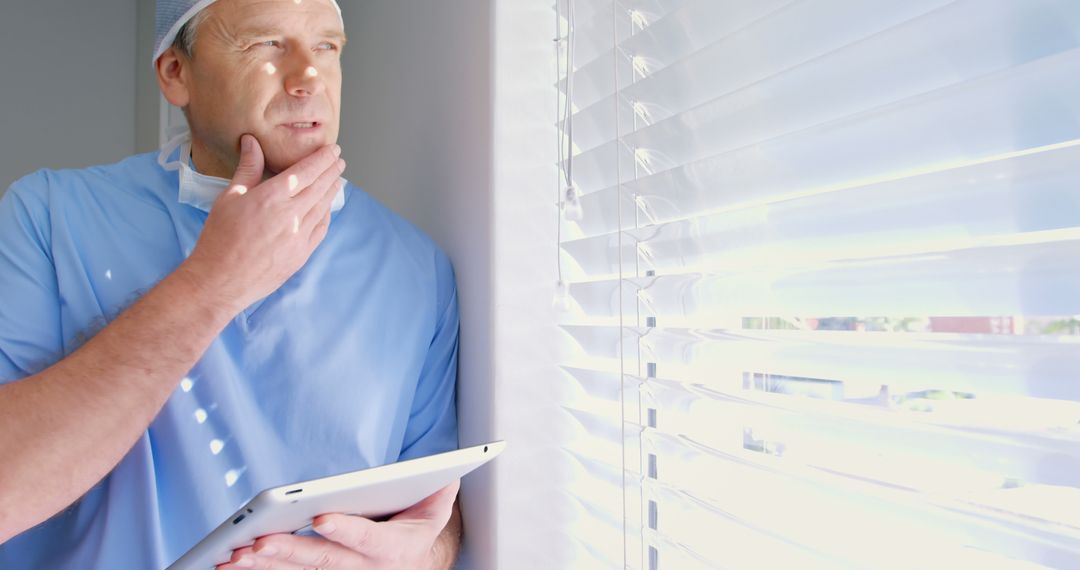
{"x":281,"y":158}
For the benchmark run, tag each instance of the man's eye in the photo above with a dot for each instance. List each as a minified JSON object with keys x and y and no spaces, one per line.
{"x":328,"y":46}
{"x":269,"y":43}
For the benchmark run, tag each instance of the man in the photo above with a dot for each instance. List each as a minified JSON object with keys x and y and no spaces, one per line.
{"x":179,"y":332}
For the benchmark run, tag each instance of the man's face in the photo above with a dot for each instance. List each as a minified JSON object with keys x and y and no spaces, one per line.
{"x":271,"y":68}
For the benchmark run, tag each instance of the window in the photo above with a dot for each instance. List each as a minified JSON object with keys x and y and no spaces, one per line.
{"x":822,"y":267}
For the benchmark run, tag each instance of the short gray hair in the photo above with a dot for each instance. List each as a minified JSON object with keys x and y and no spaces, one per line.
{"x":185,"y":37}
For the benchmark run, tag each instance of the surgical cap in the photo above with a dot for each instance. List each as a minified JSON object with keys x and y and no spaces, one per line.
{"x":173,"y":14}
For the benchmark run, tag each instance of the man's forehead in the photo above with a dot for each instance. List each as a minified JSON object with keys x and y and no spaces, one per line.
{"x":172,"y":15}
{"x":264,"y":28}
{"x":259,"y":15}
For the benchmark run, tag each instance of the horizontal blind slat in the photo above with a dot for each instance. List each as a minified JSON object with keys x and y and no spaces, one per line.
{"x":1032,"y":191}
{"x":1040,"y":367}
{"x":905,"y":440}
{"x":986,"y":279}
{"x":703,"y":23}
{"x":788,"y":497}
{"x":595,"y":21}
{"x":947,"y":47}
{"x":1028,"y":106}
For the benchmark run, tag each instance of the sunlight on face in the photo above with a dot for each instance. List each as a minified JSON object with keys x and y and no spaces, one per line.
{"x":269,"y":68}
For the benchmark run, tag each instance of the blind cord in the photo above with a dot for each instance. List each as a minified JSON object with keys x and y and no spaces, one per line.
{"x":566,"y":194}
{"x":622,"y":324}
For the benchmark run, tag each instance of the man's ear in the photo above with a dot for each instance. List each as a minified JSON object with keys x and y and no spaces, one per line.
{"x":173,"y":74}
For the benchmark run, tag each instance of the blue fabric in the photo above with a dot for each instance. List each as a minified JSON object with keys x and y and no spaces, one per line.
{"x":166,"y":15}
{"x":169,"y":17}
{"x":350,"y":364}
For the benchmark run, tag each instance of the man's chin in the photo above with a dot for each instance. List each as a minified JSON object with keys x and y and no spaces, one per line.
{"x":283,"y":156}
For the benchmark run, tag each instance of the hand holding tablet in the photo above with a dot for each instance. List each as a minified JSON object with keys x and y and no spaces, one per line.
{"x":423,"y":488}
{"x":349,"y":542}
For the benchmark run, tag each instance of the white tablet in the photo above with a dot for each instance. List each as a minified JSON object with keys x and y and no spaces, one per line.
{"x":372,"y":493}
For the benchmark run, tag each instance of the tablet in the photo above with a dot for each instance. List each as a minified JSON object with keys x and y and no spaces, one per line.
{"x":372,"y":493}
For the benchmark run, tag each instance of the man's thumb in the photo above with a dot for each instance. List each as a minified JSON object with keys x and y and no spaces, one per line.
{"x":249,"y":171}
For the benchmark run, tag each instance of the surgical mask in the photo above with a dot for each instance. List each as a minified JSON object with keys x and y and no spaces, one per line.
{"x":199,"y":190}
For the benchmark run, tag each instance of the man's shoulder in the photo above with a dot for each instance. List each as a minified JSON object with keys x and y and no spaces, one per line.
{"x":133,"y":176}
{"x":408,"y":245}
{"x":391,"y":223}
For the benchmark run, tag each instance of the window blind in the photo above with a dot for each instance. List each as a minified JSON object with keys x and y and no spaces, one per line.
{"x":823,"y":282}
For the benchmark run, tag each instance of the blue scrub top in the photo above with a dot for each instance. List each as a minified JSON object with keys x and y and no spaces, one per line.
{"x":352,"y":363}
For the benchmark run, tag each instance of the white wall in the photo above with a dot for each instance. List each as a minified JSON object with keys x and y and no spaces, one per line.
{"x":416,"y":132}
{"x":67,"y":84}
{"x":535,"y":512}
{"x":447,"y":118}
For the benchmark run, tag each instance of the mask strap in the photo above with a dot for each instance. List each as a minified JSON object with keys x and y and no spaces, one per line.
{"x":174,"y":143}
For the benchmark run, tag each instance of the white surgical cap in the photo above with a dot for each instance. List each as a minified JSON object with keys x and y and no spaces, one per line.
{"x":173,"y":14}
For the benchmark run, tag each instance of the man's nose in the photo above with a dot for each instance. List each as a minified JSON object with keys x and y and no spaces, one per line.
{"x":303,"y":78}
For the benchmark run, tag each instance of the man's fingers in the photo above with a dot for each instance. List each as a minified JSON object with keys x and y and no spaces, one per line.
{"x":249,"y":171}
{"x":436,"y":507}
{"x":354,"y":533}
{"x":345,"y":541}
{"x":322,"y":207}
{"x":305,"y":551}
{"x":304,"y":173}
{"x":318,"y":233}
{"x":290,"y":552}
{"x":327,"y":184}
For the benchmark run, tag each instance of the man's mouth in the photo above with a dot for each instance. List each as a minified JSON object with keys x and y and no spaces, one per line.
{"x":303,"y":125}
